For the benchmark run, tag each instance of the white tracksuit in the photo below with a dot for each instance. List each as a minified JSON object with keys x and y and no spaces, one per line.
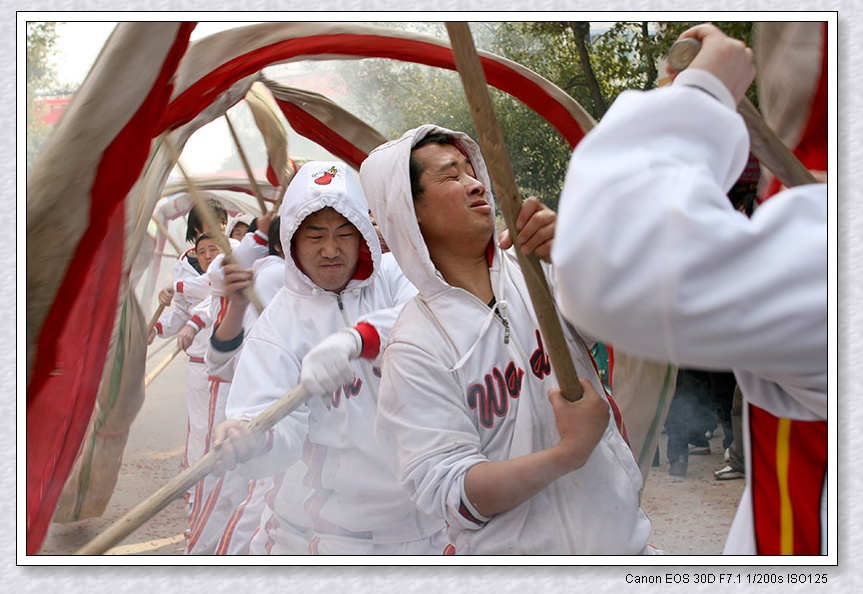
{"x":652,"y":257}
{"x":190,"y":306}
{"x":357,"y":505}
{"x":228,"y":509}
{"x":462,"y":385}
{"x":193,"y":305}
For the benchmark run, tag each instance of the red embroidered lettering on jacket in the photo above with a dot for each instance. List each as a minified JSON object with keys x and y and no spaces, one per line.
{"x":350,"y":390}
{"x":539,"y":362}
{"x":492,"y":396}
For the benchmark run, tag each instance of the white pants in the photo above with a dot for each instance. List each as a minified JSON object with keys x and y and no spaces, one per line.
{"x":198,"y":405}
{"x":226,"y":510}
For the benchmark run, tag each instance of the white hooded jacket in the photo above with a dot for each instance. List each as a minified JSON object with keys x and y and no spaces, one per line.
{"x":682,"y":277}
{"x":355,"y":491}
{"x":464,"y":383}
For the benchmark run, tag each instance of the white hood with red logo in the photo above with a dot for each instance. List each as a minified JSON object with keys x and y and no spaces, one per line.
{"x":317,"y":185}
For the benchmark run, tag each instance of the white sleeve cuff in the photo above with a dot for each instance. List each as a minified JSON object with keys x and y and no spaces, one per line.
{"x":707,"y":82}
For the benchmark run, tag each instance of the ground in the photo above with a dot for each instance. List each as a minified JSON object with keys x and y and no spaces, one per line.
{"x":690,"y":515}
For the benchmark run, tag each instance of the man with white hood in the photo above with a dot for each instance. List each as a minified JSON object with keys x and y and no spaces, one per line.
{"x":468,"y":398}
{"x":677,"y":274}
{"x":335,"y":280}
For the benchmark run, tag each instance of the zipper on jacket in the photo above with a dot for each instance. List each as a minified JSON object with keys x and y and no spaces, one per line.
{"x":505,"y":329}
{"x":499,"y":312}
{"x":342,"y":309}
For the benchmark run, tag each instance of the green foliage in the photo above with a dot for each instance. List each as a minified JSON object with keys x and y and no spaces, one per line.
{"x":41,"y":47}
{"x":742,"y":30}
{"x":593,"y":67}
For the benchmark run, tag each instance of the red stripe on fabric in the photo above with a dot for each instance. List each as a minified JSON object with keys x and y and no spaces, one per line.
{"x":197,"y":321}
{"x":807,"y":473}
{"x":179,"y":286}
{"x":765,"y":489}
{"x":223,"y":310}
{"x":211,"y":415}
{"x":273,"y":522}
{"x":615,"y":410}
{"x":314,"y":456}
{"x":206,"y":512}
{"x":197,"y":506}
{"x":234,"y":520}
{"x":365,"y":264}
{"x":610,"y":350}
{"x":185,"y":463}
{"x":465,"y":513}
{"x":206,"y":90}
{"x":309,"y":126}
{"x":271,"y":526}
{"x":268,"y":445}
{"x":811,"y":149}
{"x":618,"y":418}
{"x":64,"y":381}
{"x":272,"y":177}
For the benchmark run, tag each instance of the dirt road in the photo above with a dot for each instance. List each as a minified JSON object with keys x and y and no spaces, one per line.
{"x":691,"y":515}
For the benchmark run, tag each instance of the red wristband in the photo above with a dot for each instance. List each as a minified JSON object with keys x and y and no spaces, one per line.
{"x":371,"y":340}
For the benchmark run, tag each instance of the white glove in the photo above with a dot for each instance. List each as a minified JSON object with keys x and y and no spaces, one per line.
{"x":327,"y":367}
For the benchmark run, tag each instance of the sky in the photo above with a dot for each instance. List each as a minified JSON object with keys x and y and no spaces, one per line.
{"x":79,"y":44}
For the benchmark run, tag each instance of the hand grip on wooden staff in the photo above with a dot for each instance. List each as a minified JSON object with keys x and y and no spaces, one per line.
{"x":491,"y":139}
{"x":161,"y":367}
{"x":188,"y":478}
{"x":210,"y":222}
{"x":155,"y":317}
{"x":764,"y":144}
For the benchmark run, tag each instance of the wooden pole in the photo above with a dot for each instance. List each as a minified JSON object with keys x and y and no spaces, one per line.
{"x":160,"y":367}
{"x":164,"y":231}
{"x":186,"y":479}
{"x":152,"y":353}
{"x":210,"y":221}
{"x":764,"y":144}
{"x":491,"y":139}
{"x":155,"y":317}
{"x":282,"y":191}
{"x":252,"y":183}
